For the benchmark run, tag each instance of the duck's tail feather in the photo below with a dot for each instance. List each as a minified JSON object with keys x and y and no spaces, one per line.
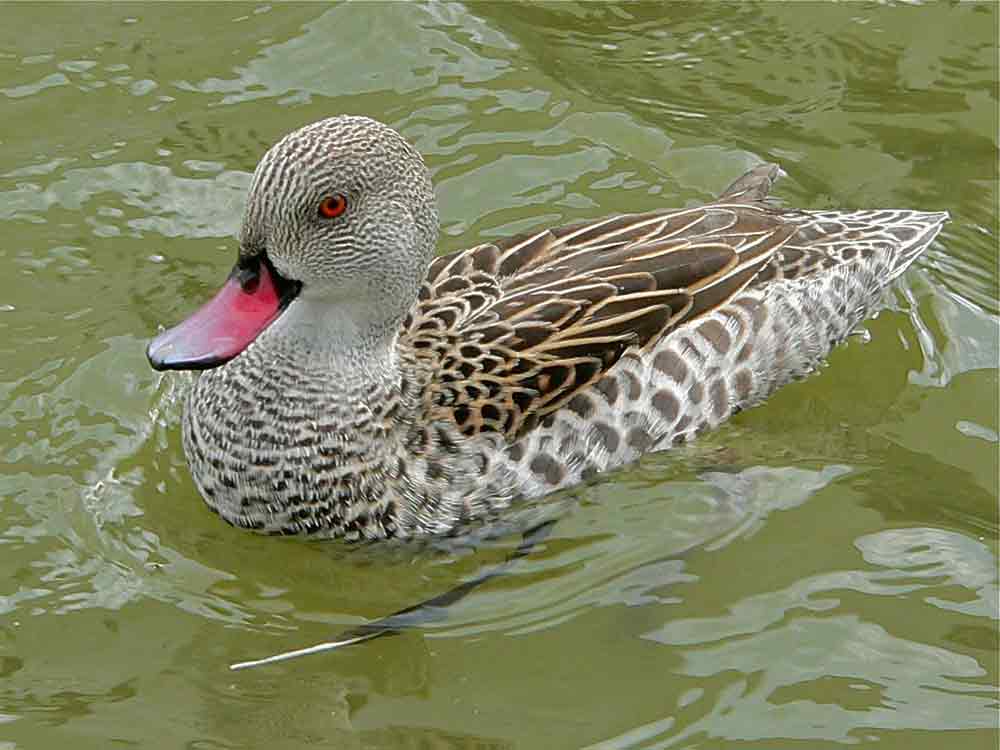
{"x":753,"y":186}
{"x":921,"y":229}
{"x":886,"y":239}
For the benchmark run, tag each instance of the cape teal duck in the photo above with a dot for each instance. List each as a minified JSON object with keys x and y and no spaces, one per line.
{"x":357,"y":386}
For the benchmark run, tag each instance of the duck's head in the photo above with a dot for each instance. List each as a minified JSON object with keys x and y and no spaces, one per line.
{"x":340,"y":220}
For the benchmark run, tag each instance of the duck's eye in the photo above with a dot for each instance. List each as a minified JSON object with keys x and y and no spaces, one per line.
{"x":332,"y":206}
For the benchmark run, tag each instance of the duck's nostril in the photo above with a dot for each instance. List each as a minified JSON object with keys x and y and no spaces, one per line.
{"x":247,"y":273}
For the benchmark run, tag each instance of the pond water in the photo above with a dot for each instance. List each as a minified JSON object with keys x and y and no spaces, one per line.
{"x":821,"y":571}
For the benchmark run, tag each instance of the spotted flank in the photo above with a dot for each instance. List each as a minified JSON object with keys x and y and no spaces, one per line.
{"x":389,"y":392}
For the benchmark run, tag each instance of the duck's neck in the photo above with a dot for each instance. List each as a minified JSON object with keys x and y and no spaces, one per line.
{"x":351,"y":348}
{"x":303,"y":429}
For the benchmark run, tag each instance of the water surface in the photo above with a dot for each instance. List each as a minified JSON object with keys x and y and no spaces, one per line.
{"x":821,"y":571}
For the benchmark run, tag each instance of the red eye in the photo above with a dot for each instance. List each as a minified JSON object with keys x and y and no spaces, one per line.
{"x":332,"y":206}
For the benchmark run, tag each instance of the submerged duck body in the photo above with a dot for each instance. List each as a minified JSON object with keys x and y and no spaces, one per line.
{"x":357,"y":386}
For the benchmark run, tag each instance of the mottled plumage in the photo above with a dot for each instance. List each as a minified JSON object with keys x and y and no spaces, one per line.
{"x":398,"y":395}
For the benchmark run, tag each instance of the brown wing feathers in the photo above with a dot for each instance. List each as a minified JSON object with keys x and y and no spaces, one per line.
{"x":513,"y":330}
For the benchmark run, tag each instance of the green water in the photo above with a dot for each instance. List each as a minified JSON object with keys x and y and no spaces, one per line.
{"x":822,"y":571}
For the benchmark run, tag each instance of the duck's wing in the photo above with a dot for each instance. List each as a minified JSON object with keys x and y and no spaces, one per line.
{"x":512,"y":330}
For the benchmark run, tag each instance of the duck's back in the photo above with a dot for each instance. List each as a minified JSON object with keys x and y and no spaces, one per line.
{"x":745,"y":297}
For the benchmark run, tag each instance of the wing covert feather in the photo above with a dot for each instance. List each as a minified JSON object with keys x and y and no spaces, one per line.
{"x":512,"y":330}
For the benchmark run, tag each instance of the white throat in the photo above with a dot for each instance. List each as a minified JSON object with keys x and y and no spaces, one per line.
{"x":346,"y":341}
